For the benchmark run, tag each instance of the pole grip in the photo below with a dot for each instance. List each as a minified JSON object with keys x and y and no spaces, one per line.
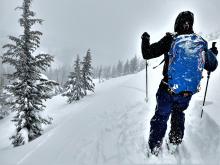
{"x":213,"y":44}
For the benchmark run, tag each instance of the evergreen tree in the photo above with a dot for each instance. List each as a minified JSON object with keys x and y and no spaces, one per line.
{"x":100,"y":74}
{"x":142,"y":65}
{"x":95,"y":72}
{"x":3,"y":112}
{"x":28,"y":85}
{"x":114,"y":72}
{"x":4,"y":107}
{"x":87,"y":73}
{"x":2,"y":72}
{"x":134,"y":65}
{"x":119,"y":68}
{"x":107,"y":72}
{"x":126,"y":68}
{"x":74,"y":86}
{"x":2,"y":81}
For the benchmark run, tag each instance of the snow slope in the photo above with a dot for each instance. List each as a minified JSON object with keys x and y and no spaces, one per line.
{"x":112,"y":127}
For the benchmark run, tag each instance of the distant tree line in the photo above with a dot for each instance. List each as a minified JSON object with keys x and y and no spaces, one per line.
{"x":211,"y":36}
{"x":120,"y":69}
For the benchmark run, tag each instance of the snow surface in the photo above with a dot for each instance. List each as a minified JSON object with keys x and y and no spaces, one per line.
{"x":112,"y":127}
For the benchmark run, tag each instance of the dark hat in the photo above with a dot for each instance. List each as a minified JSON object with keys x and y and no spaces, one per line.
{"x":184,"y":23}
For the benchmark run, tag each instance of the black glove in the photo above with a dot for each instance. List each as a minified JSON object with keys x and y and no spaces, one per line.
{"x":214,"y":50}
{"x":145,"y":45}
{"x":145,"y":36}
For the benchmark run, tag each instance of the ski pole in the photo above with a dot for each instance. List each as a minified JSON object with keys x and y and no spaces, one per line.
{"x":207,"y":83}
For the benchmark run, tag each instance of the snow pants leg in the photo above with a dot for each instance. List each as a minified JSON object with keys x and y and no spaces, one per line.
{"x":180,"y":103}
{"x":159,"y":121}
{"x":168,"y":104}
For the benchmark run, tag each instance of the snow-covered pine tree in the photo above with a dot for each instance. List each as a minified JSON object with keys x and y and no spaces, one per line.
{"x":100,"y":74}
{"x":126,"y":69}
{"x":74,"y":86}
{"x":1,"y":81}
{"x":2,"y":72}
{"x":28,"y":85}
{"x":114,"y":72}
{"x":4,"y":99}
{"x":95,"y":72}
{"x":88,"y":84}
{"x":119,"y":68}
{"x":134,"y":65}
{"x":107,"y":72}
{"x":142,"y":64}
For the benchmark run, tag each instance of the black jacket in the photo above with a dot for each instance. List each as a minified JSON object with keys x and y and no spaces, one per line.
{"x":163,"y":46}
{"x":157,"y":49}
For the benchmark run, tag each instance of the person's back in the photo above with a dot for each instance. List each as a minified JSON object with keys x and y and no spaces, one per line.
{"x":186,"y":54}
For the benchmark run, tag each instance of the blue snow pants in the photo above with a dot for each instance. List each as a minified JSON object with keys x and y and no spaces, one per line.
{"x":168,"y":104}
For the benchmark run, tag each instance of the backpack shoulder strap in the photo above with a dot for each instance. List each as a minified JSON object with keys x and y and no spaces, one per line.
{"x":159,"y":64}
{"x":174,"y":35}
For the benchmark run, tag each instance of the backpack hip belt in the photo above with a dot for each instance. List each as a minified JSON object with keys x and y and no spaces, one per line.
{"x":171,"y":92}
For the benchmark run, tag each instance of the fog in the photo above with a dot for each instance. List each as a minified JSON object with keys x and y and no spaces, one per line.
{"x":111,"y":29}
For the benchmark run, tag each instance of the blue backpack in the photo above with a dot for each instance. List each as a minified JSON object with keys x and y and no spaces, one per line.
{"x":186,"y":63}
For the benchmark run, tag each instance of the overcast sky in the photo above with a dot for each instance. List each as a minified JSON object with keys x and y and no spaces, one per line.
{"x":110,"y":28}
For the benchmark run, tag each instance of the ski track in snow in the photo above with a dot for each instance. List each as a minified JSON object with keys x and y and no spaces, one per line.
{"x":112,"y":127}
{"x":33,"y":150}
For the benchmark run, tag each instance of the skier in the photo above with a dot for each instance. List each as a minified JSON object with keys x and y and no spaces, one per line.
{"x":185,"y":56}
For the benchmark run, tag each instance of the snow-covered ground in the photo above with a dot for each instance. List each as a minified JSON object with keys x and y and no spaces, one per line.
{"x":112,"y":127}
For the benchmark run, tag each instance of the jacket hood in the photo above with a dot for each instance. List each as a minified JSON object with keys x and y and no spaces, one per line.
{"x":184,"y":23}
